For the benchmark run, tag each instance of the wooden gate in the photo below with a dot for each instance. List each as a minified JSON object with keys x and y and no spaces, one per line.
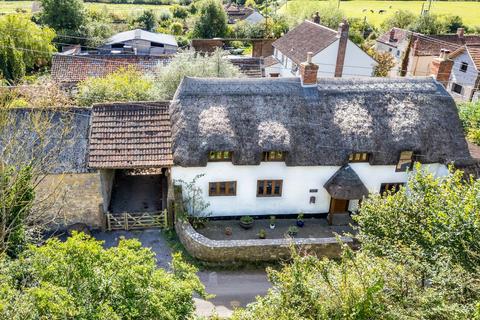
{"x":132,"y":221}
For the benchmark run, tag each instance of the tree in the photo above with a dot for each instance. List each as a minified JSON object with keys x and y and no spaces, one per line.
{"x":190,"y":64}
{"x":65,"y":15}
{"x":470,"y":116}
{"x":452,"y":23}
{"x":212,"y":20}
{"x":176,"y":28}
{"x":429,"y":218}
{"x":147,"y":21}
{"x":79,"y":279}
{"x":428,"y":24}
{"x":385,"y":63}
{"x":179,"y":12}
{"x":400,"y":19}
{"x":24,"y":46}
{"x":123,"y":85}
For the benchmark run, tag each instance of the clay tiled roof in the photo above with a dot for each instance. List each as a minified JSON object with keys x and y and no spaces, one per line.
{"x":270,"y":61}
{"x":306,"y":37}
{"x":75,"y":68}
{"x":431,"y":45}
{"x":130,"y":135}
{"x":475,"y":54}
{"x":398,"y":36}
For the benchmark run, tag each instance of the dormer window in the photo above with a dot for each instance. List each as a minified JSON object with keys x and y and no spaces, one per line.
{"x":405,"y":162}
{"x":359,"y":157}
{"x":273,"y":156}
{"x":220,"y":156}
{"x":464,"y":67}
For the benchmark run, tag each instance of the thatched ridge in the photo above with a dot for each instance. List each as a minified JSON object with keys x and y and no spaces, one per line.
{"x":346,"y":184}
{"x":316,"y":126}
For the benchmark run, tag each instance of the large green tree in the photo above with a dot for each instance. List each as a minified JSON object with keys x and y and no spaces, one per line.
{"x":212,"y":20}
{"x":79,"y":279}
{"x":65,"y":15}
{"x":24,"y":46}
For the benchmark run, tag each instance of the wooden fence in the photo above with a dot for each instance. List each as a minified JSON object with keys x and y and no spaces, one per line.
{"x":132,"y":221}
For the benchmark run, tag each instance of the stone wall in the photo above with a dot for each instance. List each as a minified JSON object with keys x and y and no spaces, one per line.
{"x":254,"y":250}
{"x":71,"y":198}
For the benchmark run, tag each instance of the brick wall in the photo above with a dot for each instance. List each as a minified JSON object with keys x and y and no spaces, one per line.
{"x":441,"y":69}
{"x":72,"y":198}
{"x":262,"y":48}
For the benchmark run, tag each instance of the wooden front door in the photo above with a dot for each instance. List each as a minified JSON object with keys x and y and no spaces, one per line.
{"x":337,"y":205}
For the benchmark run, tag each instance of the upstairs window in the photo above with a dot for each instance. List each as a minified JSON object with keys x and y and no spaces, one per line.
{"x":224,"y":188}
{"x":464,"y":67}
{"x":269,"y":188}
{"x":405,"y":161}
{"x":457,"y":88}
{"x":359,"y":157}
{"x":220,"y":156}
{"x":392,"y":187}
{"x":273,"y":156}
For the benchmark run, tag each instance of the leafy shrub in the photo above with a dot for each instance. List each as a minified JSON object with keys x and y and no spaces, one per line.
{"x":176,"y":28}
{"x":123,"y":85}
{"x":470,"y":116}
{"x":179,"y":12}
{"x":78,"y":279}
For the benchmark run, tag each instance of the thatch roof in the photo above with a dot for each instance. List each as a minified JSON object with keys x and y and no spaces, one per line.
{"x":346,"y":184}
{"x":316,"y":126}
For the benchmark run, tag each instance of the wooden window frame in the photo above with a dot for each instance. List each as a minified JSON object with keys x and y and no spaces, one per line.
{"x":362,"y":157}
{"x":228,"y":190}
{"x":396,"y":185}
{"x":274,"y":184}
{"x":397,"y":167}
{"x":265,"y":156}
{"x":210,"y":159}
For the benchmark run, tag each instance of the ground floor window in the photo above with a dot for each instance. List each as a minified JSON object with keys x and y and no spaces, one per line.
{"x":392,"y":187}
{"x":269,"y":188}
{"x":223,"y":188}
{"x":457,"y":88}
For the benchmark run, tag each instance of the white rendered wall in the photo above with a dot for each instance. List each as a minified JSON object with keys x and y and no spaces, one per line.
{"x":357,"y":62}
{"x":466,"y":79}
{"x":297,"y":181}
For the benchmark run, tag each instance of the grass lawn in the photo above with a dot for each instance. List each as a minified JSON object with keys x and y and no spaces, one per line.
{"x":11,"y":6}
{"x":469,"y":11}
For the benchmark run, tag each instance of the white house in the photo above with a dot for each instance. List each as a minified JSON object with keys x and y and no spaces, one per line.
{"x":281,"y":146}
{"x":336,"y":55}
{"x":464,"y":81}
{"x":396,"y":43}
{"x":141,"y":42}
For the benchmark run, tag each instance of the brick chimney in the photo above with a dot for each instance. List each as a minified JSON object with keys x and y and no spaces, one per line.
{"x":461,"y":33}
{"x":342,"y":47}
{"x":308,"y":72}
{"x":441,"y":67}
{"x":392,"y":35}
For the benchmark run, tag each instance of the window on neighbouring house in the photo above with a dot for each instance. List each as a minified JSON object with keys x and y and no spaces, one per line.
{"x":224,"y":188}
{"x":392,"y":187}
{"x":269,"y":188}
{"x":406,"y":161}
{"x":220,"y":156}
{"x":273,"y":156}
{"x":359,"y":157}
{"x":390,"y":49}
{"x":464,"y":67}
{"x":294,"y":67}
{"x":398,"y":53}
{"x":274,"y":75}
{"x":155,"y":44}
{"x":457,"y":88}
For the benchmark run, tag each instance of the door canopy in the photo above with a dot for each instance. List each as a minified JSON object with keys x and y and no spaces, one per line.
{"x":346,"y":184}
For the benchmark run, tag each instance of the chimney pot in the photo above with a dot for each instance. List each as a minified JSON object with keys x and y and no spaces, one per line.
{"x":460,"y":33}
{"x":392,"y":35}
{"x":309,"y":57}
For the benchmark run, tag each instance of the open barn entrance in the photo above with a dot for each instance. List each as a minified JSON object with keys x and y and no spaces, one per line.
{"x":138,"y":192}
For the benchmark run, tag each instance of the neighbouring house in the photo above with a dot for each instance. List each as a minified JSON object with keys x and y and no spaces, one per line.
{"x":419,"y":50}
{"x":336,"y":55}
{"x":288,"y":145}
{"x":141,"y":42}
{"x":459,"y":71}
{"x":69,"y":69}
{"x":236,"y":13}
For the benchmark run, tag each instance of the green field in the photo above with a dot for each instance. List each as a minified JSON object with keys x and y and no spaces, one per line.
{"x":11,"y":6}
{"x":469,"y":11}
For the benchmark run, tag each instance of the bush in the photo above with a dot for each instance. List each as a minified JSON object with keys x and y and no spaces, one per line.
{"x":179,"y":12}
{"x":78,"y":279}
{"x":470,"y":116}
{"x":176,"y":28}
{"x":212,"y":20}
{"x":123,"y":85}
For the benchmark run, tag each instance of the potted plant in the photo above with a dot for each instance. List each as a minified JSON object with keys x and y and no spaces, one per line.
{"x":228,"y":231}
{"x":262,"y":234}
{"x":272,"y":222}
{"x":292,"y":231}
{"x":246,"y":222}
{"x":300,"y":221}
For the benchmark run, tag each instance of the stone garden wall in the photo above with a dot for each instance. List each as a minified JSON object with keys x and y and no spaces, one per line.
{"x":253,"y":250}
